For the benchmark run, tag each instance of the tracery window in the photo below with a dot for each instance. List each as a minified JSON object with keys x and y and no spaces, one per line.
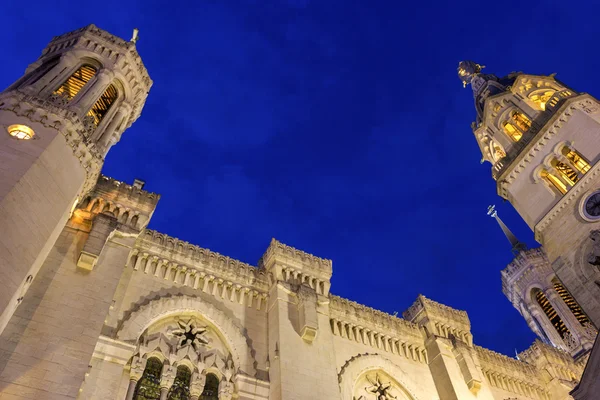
{"x":103,"y":104}
{"x":211,"y":388}
{"x":148,"y":387}
{"x":565,"y":171}
{"x":571,"y":303}
{"x":541,"y":97}
{"x":76,"y":81}
{"x":521,"y":121}
{"x":554,"y":181}
{"x":576,"y":159}
{"x":550,"y":312}
{"x":181,"y":386}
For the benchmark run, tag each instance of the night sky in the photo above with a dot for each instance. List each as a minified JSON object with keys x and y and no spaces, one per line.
{"x":337,"y":127}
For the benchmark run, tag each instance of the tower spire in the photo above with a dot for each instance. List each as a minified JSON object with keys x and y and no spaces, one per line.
{"x":517,"y":246}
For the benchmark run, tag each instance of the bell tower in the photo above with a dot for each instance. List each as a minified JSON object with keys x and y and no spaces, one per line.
{"x":57,"y":123}
{"x":543,"y":141}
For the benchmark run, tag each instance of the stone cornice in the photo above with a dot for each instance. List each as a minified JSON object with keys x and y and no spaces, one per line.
{"x":437,"y":310}
{"x":278,"y":251}
{"x":65,"y":122}
{"x":503,"y":364}
{"x":361,"y":315}
{"x":204,"y":260}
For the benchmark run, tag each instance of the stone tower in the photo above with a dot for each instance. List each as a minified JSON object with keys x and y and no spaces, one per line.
{"x":543,"y":141}
{"x":539,"y":296}
{"x":58,"y":122}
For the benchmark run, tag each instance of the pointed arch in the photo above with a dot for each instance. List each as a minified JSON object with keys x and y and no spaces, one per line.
{"x":358,"y":365}
{"x":138,"y":320}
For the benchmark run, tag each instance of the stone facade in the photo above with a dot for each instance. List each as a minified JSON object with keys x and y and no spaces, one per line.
{"x":108,"y":309}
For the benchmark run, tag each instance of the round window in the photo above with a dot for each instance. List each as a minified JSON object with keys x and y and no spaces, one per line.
{"x":21,"y":132}
{"x":591,"y":206}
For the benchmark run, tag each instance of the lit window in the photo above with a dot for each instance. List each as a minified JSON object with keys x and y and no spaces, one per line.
{"x":550,"y":312}
{"x":576,"y":160}
{"x":521,"y":120}
{"x":22,"y":132}
{"x":554,"y":181}
{"x":77,"y":81}
{"x":512,"y":131}
{"x":571,"y":303}
{"x":568,"y":173}
{"x":540,"y":98}
{"x":101,"y":107}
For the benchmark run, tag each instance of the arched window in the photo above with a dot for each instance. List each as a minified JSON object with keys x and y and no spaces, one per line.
{"x":521,"y":121}
{"x":181,"y":386}
{"x":103,"y":104}
{"x":550,"y":312}
{"x":77,"y":81}
{"x":541,"y":97}
{"x":148,"y":387}
{"x":576,"y":159}
{"x":512,"y":131}
{"x":211,"y":388}
{"x":554,"y":181}
{"x":571,"y":303}
{"x":565,"y":171}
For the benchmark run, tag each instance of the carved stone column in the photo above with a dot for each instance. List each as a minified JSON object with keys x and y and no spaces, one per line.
{"x":58,"y":73}
{"x":197,"y":385}
{"x":565,"y":314}
{"x":166,"y":380}
{"x":138,"y":365}
{"x":99,"y":85}
{"x":225,"y":390}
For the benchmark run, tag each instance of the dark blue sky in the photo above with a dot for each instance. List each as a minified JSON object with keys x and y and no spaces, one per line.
{"x":338,"y":127}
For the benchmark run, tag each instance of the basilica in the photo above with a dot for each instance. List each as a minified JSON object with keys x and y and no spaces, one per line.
{"x":94,"y":305}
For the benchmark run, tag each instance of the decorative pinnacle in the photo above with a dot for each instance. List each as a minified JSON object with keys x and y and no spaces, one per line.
{"x":517,"y":246}
{"x":135,"y":36}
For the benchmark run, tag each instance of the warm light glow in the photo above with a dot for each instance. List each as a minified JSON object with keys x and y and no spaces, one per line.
{"x":521,"y":120}
{"x":568,"y":173}
{"x":571,"y":303}
{"x":550,"y":312}
{"x":497,"y":152}
{"x":554,"y":181}
{"x":77,"y":81}
{"x":101,"y":107}
{"x":512,"y":132}
{"x":576,"y":160}
{"x":22,"y":132}
{"x":540,"y":98}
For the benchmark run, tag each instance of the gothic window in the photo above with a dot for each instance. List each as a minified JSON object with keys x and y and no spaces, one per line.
{"x":211,"y":388}
{"x":571,"y":303}
{"x":512,"y":131}
{"x":148,"y":387}
{"x":554,"y":181}
{"x":103,"y":104}
{"x":181,"y":386}
{"x":550,"y":312}
{"x":541,"y":97}
{"x":76,"y":81}
{"x":565,"y":171}
{"x":521,"y":121}
{"x":576,"y":159}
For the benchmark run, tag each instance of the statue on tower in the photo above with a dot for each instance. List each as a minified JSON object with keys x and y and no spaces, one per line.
{"x":467,"y":70}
